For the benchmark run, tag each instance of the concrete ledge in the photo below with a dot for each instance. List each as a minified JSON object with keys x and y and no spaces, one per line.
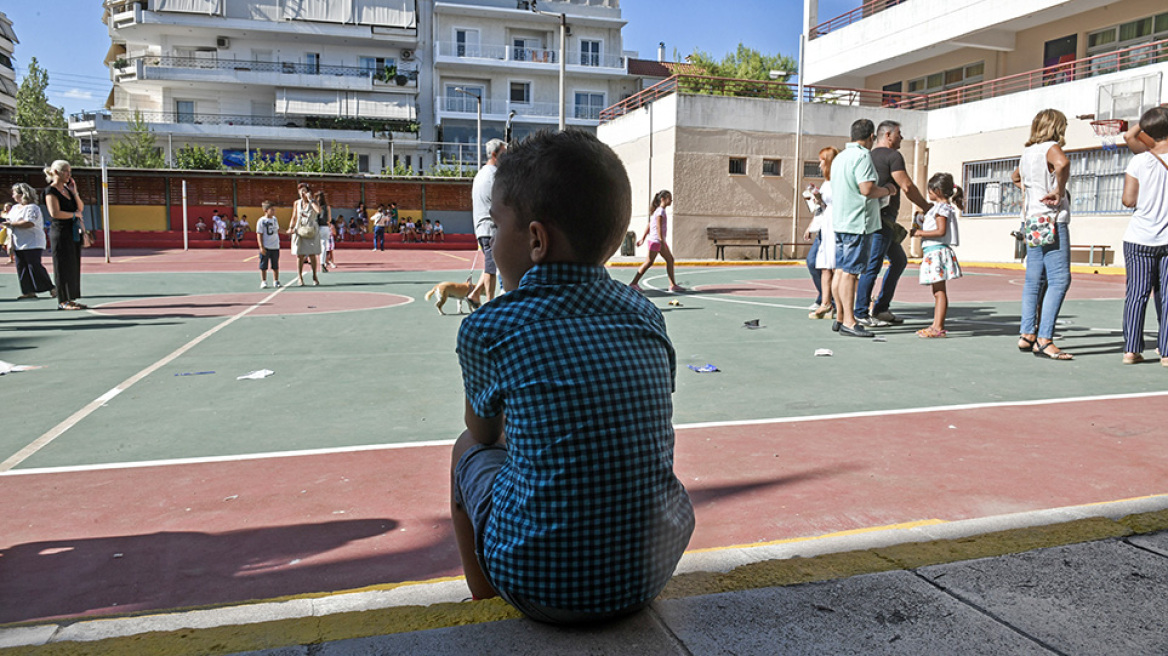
{"x":437,"y":604}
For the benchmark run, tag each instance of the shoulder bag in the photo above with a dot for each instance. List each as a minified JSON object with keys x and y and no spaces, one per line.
{"x":1038,"y":230}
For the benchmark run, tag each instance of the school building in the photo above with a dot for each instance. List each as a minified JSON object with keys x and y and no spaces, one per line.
{"x":965,"y":82}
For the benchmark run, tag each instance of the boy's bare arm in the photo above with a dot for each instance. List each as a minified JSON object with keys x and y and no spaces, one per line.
{"x":485,"y":430}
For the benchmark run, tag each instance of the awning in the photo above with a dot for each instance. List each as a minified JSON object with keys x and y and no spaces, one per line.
{"x":115,"y":50}
{"x":386,"y":13}
{"x":206,"y":7}
{"x":304,"y":102}
{"x":109,"y":101}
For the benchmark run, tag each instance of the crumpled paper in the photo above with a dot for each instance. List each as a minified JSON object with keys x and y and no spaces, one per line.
{"x":256,"y":375}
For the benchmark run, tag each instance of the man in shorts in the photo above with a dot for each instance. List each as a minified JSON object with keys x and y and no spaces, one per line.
{"x":855,"y":217}
{"x":268,"y":236}
{"x":484,"y":227}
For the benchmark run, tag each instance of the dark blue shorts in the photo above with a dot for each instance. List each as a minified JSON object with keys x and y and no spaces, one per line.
{"x":488,"y":259}
{"x":271,"y":255}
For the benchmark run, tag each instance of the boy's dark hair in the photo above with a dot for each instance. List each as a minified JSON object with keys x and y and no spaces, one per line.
{"x":572,"y":181}
{"x":1154,"y":123}
{"x":862,"y":129}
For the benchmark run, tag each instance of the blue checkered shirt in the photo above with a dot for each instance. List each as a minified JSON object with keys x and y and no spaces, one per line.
{"x":587,"y":514}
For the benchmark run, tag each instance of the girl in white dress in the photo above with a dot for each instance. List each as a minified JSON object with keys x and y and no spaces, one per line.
{"x":825,"y":258}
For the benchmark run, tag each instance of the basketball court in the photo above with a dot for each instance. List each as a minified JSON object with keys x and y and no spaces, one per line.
{"x":141,"y":473}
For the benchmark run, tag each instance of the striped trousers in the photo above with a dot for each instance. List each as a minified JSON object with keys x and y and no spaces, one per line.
{"x":1147,"y":272}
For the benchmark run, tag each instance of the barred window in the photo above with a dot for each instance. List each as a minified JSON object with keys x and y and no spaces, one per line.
{"x":1095,"y":187}
{"x":737,"y":166}
{"x":772,"y":167}
{"x":811,"y":169}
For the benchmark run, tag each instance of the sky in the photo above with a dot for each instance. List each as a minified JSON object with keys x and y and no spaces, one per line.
{"x":69,"y":40}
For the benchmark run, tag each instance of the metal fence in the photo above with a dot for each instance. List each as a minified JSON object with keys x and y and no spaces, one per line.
{"x":1095,"y":187}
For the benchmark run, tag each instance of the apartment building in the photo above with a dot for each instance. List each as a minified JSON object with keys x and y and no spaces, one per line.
{"x":982,"y":68}
{"x":8,"y":88}
{"x":257,"y":77}
{"x":507,"y":56}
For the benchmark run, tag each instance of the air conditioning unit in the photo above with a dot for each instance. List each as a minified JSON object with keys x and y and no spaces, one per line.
{"x":222,"y":42}
{"x":407,"y":54}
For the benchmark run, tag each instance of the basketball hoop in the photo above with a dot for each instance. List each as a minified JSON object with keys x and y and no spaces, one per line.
{"x":1108,"y":131}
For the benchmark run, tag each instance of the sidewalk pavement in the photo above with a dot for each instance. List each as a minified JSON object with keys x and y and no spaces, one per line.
{"x":1085,"y":580}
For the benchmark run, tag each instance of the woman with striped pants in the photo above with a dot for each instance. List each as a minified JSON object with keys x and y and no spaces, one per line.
{"x":1145,"y":244}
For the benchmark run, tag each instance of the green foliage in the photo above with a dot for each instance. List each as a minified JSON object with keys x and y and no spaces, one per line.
{"x":273,"y":164}
{"x":399,"y":171}
{"x":337,"y":159}
{"x":42,"y":146}
{"x":451,"y":171}
{"x":137,"y":149}
{"x":743,"y":64}
{"x":4,"y":153}
{"x":199,"y":158}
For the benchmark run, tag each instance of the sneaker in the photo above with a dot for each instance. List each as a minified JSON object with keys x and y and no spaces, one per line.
{"x":264,"y":285}
{"x":634,"y":286}
{"x":858,"y":331}
{"x":889,"y":317}
{"x":276,"y":284}
{"x":872,"y":322}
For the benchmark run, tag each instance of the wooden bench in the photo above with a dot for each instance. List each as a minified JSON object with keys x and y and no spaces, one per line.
{"x":1090,"y":248}
{"x":723,"y":237}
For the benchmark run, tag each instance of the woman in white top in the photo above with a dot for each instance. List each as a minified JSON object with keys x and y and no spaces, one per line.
{"x":305,"y":247}
{"x":821,"y":259}
{"x":26,"y":224}
{"x":1145,"y":244}
{"x":1043,"y":172}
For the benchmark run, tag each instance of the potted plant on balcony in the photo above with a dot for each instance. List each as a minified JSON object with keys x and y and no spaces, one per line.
{"x":389,"y":73}
{"x":120,"y":63}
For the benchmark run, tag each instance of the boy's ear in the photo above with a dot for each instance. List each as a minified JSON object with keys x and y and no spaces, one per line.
{"x":539,"y":241}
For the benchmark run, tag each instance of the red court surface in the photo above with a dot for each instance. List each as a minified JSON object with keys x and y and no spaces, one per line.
{"x":236,"y":530}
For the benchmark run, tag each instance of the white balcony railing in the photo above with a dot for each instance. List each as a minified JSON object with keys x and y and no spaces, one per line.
{"x":504,"y":53}
{"x":165,"y":67}
{"x":500,"y":108}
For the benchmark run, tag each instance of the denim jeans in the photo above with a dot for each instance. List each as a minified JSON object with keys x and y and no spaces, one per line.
{"x":1055,"y":261}
{"x":814,"y":270}
{"x":883,"y":246}
{"x":379,"y":238}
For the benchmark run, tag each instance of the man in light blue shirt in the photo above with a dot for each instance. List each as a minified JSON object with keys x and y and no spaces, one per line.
{"x":855,"y":217}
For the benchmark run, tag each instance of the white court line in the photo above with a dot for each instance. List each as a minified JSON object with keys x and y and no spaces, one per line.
{"x":677,"y":427}
{"x":44,"y":440}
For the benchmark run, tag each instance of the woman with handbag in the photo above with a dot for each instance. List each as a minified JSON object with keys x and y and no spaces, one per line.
{"x":305,"y":233}
{"x":66,"y":233}
{"x":1042,"y":173}
{"x":1145,"y":244}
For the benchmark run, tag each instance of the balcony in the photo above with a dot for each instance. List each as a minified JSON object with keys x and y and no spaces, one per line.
{"x":494,"y":54}
{"x":857,"y":14}
{"x":236,"y":124}
{"x":277,"y":73}
{"x":497,"y":110}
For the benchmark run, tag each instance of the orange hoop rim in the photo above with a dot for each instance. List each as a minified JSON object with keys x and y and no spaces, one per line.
{"x":1109,"y":127}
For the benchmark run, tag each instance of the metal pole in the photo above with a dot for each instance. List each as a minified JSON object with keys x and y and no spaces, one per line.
{"x":186,"y":244}
{"x":563,"y":68}
{"x":169,"y":150}
{"x":105,"y":208}
{"x":479,"y":134}
{"x":798,"y":177}
{"x":247,"y":153}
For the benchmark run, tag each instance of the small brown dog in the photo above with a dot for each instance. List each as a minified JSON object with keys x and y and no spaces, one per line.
{"x":455,"y":290}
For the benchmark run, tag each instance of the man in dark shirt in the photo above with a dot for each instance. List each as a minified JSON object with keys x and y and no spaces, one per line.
{"x":890,"y":168}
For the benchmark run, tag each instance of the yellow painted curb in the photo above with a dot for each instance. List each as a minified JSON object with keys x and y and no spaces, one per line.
{"x":791,"y":571}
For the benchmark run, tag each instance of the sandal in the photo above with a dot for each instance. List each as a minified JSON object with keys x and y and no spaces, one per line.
{"x":24,"y":296}
{"x":931,"y":332}
{"x":70,"y":306}
{"x":1133,"y":358}
{"x":1029,"y":344}
{"x":1043,"y":352}
{"x":821,"y":312}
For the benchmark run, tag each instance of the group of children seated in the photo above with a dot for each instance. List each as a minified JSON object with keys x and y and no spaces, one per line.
{"x":223,"y":229}
{"x":424,"y":231}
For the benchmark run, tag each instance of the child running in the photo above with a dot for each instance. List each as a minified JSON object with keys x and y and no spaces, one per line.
{"x":938,"y":233}
{"x":656,"y":232}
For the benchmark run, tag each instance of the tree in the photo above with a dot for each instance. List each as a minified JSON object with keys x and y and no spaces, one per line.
{"x":746,"y":64}
{"x":199,"y":158}
{"x":45,"y":136}
{"x":137,"y":150}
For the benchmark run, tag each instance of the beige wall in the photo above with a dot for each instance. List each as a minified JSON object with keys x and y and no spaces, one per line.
{"x":1029,"y":45}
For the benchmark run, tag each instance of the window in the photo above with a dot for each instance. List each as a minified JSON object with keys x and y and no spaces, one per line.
{"x":589,"y":105}
{"x":772,"y":167}
{"x":185,"y":111}
{"x":1095,"y":187}
{"x":527,"y":48}
{"x":312,"y":59}
{"x":377,"y":66}
{"x":1122,"y":37}
{"x":811,"y":169}
{"x":460,"y":102}
{"x":589,"y":53}
{"x":891,"y":93}
{"x":737,"y":166}
{"x":466,"y":43}
{"x":521,"y":93}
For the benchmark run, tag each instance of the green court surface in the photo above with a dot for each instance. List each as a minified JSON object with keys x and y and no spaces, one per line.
{"x":349,"y":377}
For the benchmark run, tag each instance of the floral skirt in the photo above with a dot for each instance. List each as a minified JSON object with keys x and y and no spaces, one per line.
{"x":939,"y":264}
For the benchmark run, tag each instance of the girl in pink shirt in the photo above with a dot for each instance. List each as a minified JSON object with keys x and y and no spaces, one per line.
{"x":655,"y":233}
